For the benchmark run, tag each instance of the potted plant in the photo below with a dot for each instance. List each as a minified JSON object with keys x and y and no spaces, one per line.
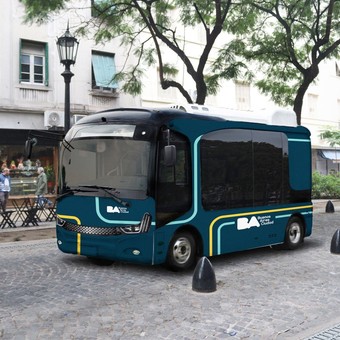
{"x":50,"y":175}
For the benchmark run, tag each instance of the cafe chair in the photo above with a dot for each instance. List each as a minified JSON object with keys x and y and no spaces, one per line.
{"x":45,"y":210}
{"x":6,"y":217}
{"x":31,"y":215}
{"x":51,"y":212}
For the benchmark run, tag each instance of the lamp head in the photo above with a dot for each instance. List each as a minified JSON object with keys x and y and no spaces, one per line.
{"x":67,"y":48}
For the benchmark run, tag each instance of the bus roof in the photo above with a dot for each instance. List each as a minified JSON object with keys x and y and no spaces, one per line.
{"x":276,"y":116}
{"x":159,"y":116}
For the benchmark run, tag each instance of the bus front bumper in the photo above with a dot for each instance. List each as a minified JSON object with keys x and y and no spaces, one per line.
{"x":129,"y":248}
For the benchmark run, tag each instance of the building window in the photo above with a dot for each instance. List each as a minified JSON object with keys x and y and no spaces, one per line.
{"x":313,"y":103}
{"x":103,"y":72}
{"x":337,"y":69}
{"x":33,"y":62}
{"x":242,"y":95}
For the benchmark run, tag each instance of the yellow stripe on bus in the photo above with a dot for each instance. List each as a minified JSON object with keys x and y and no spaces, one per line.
{"x":246,"y":214}
{"x":70,"y":217}
{"x":78,"y":243}
{"x":75,"y":218}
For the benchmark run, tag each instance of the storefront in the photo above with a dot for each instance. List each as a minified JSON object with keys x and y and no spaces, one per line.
{"x":23,"y":171}
{"x":326,"y":161}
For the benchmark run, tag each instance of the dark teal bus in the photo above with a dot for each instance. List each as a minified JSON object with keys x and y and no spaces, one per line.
{"x":157,"y":186}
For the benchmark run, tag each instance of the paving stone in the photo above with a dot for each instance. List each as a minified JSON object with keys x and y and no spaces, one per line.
{"x":261,"y":294}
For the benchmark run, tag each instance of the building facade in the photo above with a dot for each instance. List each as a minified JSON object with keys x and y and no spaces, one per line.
{"x":32,"y":91}
{"x":321,"y":107}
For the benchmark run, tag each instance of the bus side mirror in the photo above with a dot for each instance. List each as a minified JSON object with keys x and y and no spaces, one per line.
{"x":29,"y":146}
{"x":169,"y":155}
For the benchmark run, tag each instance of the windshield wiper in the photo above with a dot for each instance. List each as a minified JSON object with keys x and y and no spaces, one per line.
{"x":108,"y":191}
{"x":70,"y":191}
{"x":67,"y":145}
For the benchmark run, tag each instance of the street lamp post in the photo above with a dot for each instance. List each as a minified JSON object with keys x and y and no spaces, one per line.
{"x":67,"y":49}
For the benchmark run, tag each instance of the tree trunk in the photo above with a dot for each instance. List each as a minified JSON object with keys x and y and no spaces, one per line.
{"x":201,"y":88}
{"x":298,"y":102}
{"x":308,"y":77}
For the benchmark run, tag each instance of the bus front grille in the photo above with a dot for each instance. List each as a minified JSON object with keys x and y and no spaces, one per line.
{"x":82,"y":229}
{"x":142,"y":227}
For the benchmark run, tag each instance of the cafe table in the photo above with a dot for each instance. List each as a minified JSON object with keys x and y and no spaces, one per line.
{"x":27,"y":209}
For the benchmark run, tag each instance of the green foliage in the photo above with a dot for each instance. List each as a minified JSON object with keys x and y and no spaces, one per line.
{"x":49,"y":171}
{"x":169,"y":70}
{"x":149,"y":29}
{"x":283,"y":41}
{"x":194,"y":13}
{"x":280,"y":92}
{"x":213,"y":84}
{"x":131,"y":80}
{"x":325,"y":186}
{"x":40,"y":10}
{"x":332,"y":136}
{"x":289,"y":40}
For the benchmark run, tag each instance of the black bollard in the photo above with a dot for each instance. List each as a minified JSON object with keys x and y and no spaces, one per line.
{"x":204,"y":279}
{"x":335,"y":243}
{"x":329,"y":207}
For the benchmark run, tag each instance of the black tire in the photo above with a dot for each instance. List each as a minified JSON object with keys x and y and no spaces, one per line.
{"x":182,"y":252}
{"x":294,"y":233}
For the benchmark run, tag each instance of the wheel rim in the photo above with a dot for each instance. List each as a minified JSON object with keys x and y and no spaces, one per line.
{"x":181,"y":250}
{"x":294,"y":233}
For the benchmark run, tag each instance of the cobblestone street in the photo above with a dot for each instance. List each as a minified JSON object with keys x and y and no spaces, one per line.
{"x":261,"y":294}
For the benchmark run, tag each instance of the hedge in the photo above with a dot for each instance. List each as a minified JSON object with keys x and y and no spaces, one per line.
{"x":325,"y":186}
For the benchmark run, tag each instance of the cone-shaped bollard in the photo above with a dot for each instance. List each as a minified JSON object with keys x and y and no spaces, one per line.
{"x":204,"y":279}
{"x":335,"y":243}
{"x":329,"y":207}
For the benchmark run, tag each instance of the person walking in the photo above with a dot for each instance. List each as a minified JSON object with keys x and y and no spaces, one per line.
{"x":5,"y":187}
{"x":41,"y":188}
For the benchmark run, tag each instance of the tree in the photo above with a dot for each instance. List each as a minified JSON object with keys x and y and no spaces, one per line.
{"x":148,"y":28}
{"x":289,"y":41}
{"x":332,"y":136}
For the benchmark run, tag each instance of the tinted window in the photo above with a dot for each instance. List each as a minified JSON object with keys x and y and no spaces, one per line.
{"x":242,"y":168}
{"x":174,"y":182}
{"x":226,"y":159}
{"x":269,"y":171}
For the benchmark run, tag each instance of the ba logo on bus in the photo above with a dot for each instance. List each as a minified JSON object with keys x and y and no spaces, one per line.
{"x":245,"y":223}
{"x":116,"y":210}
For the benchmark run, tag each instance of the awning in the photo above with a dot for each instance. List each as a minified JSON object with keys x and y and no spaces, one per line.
{"x":333,"y":155}
{"x":19,"y":137}
{"x":104,"y":69}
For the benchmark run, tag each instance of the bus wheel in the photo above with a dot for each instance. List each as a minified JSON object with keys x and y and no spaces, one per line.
{"x":182,"y":251}
{"x":294,"y":233}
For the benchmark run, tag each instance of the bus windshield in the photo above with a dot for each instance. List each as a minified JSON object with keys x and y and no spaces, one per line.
{"x":114,"y":156}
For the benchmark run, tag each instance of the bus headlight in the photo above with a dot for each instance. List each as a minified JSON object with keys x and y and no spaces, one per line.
{"x":60,"y":222}
{"x":142,"y":227}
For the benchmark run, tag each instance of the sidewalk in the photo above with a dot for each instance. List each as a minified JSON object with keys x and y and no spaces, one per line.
{"x":319,"y":206}
{"x":42,"y":225}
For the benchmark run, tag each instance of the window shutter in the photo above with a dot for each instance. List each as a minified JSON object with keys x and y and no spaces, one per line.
{"x":104,"y":70}
{"x":46,"y":65}
{"x":20,"y":48}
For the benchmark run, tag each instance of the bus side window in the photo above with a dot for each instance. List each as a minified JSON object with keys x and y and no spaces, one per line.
{"x":174,"y":182}
{"x":244,"y":168}
{"x":226,"y":169}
